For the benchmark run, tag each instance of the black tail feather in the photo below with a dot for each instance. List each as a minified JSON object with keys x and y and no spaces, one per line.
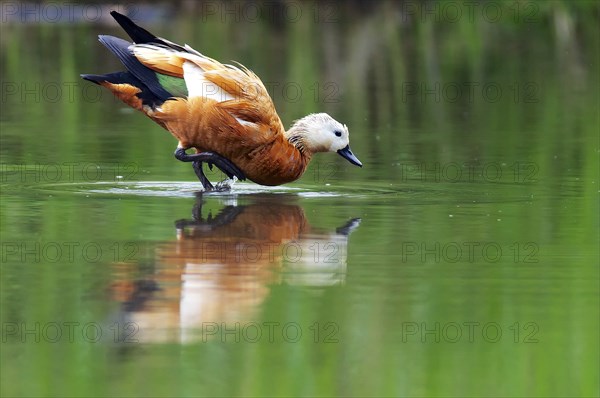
{"x":94,"y":78}
{"x":147,"y":96}
{"x":115,"y":78}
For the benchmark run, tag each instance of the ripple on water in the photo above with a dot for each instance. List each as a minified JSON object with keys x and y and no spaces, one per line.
{"x":408,"y":192}
{"x":184,"y":189}
{"x":191,"y":188}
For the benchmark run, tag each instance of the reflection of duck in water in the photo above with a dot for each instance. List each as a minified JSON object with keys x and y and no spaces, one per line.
{"x":219,"y":269}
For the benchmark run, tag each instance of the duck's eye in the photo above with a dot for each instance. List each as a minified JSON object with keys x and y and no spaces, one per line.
{"x":338,"y":133}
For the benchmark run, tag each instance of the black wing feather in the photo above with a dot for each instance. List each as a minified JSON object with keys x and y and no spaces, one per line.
{"x":137,"y":33}
{"x":140,"y":35}
{"x":120,"y":48}
{"x":138,"y":75}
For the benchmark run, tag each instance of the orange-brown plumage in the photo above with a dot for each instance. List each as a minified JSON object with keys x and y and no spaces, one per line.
{"x":217,"y":108}
{"x":265,"y":156}
{"x":126,"y":93}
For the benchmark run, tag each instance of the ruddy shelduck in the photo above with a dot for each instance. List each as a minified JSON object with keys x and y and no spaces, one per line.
{"x":222,"y":111}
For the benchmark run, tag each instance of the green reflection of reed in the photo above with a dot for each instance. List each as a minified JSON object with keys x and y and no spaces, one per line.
{"x":378,"y":60}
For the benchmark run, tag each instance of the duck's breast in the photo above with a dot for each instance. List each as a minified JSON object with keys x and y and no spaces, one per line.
{"x":274,"y":164}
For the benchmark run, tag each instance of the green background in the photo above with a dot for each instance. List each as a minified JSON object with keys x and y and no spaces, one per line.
{"x":475,"y":129}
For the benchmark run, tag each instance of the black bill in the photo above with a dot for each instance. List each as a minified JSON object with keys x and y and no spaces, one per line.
{"x":348,"y":155}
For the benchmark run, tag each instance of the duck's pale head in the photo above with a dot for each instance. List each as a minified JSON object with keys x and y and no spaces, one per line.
{"x":319,"y":132}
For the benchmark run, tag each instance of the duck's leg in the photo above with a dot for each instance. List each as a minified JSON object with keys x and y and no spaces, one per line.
{"x":225,"y":165}
{"x":197,"y":165}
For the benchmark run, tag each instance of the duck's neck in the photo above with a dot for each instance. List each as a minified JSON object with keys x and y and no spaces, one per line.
{"x":289,"y":158}
{"x":297,"y":138}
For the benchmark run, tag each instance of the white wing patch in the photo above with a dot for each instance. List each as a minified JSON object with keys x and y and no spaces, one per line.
{"x":199,"y":86}
{"x":246,"y":123}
